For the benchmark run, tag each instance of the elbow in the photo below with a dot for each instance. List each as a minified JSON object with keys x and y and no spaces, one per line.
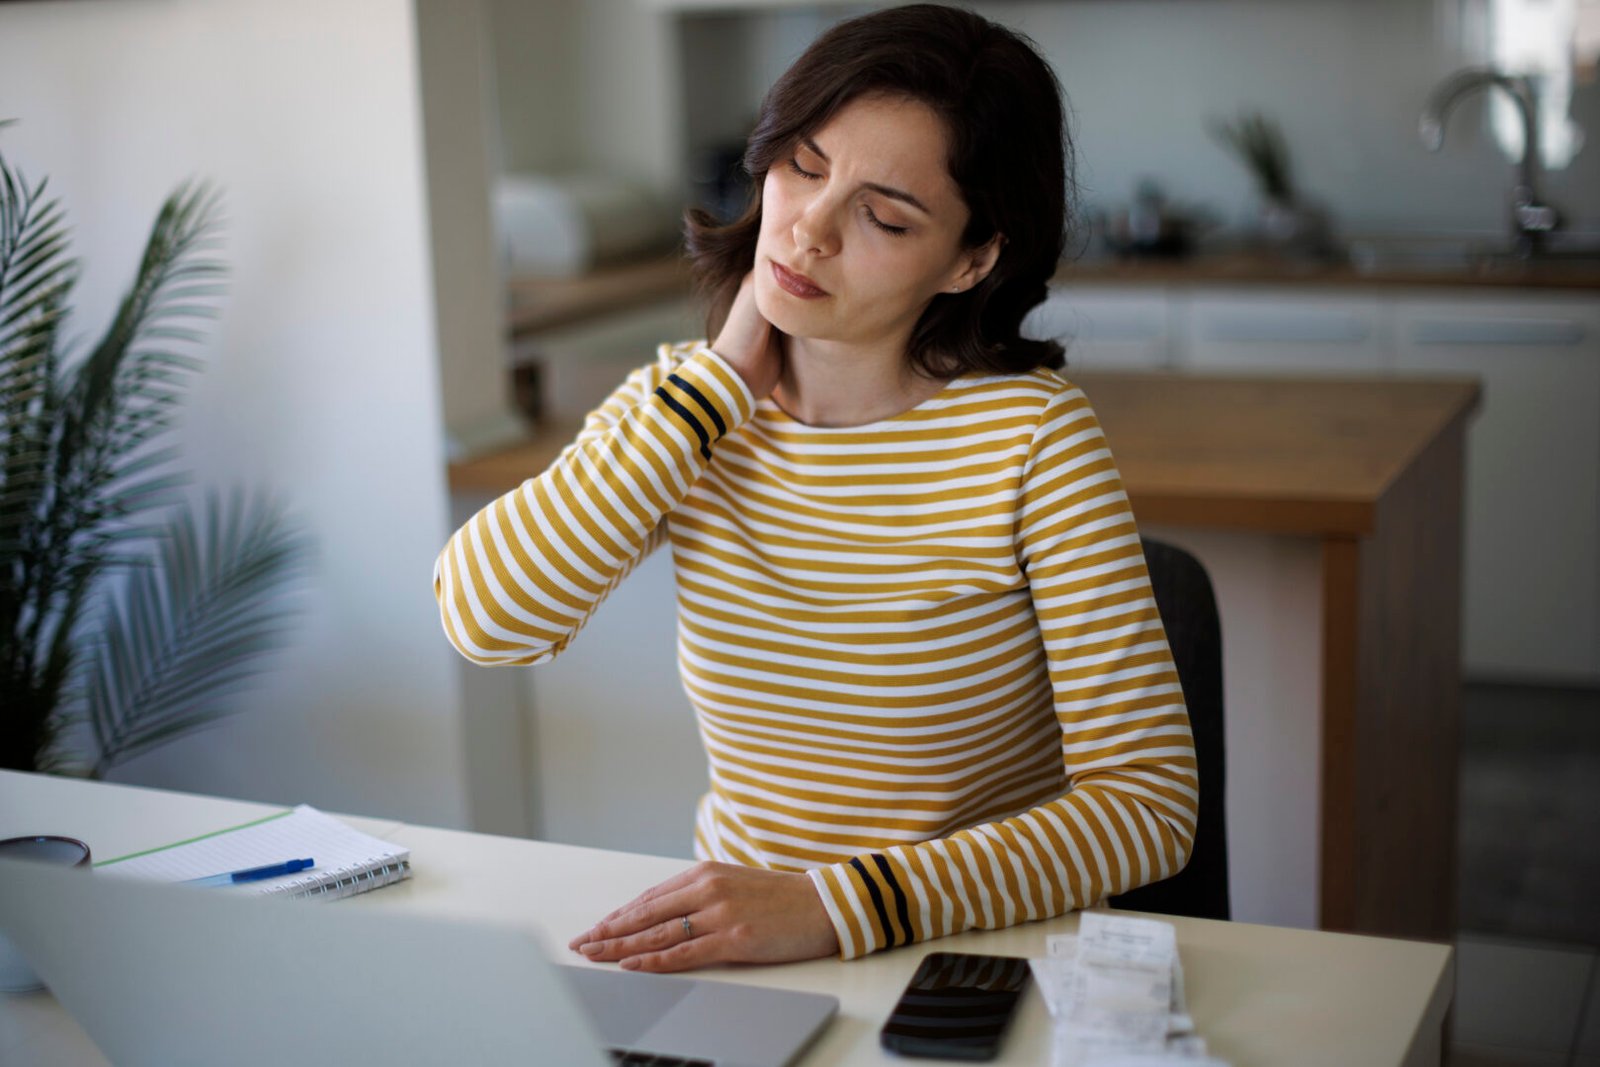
{"x":1183,"y":843}
{"x":459,"y":617}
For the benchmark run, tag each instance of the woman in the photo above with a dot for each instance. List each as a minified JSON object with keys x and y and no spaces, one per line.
{"x":914,"y":618}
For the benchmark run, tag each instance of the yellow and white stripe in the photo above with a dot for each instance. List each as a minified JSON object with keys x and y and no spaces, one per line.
{"x":924,"y":654}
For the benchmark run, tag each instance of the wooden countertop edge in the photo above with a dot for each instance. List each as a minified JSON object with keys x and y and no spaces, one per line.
{"x":1203,"y":271}
{"x":538,"y":305}
{"x":1322,"y":516}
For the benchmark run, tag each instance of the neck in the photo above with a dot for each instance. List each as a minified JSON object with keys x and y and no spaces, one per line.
{"x":825,"y":383}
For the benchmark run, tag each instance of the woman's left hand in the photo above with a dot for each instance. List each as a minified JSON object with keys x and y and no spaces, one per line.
{"x":736,"y":915}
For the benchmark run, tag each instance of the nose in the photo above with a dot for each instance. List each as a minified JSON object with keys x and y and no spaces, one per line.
{"x":816,"y":231}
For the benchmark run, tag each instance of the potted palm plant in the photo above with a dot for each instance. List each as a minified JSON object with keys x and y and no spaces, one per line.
{"x":129,"y":613}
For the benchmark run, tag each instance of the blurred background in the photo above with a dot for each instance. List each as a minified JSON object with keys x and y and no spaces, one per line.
{"x":452,"y":226}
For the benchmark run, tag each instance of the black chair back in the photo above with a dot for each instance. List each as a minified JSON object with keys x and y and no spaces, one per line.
{"x":1189,"y":612}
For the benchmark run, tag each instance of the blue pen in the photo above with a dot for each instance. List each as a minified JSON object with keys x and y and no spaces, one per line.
{"x":254,"y":874}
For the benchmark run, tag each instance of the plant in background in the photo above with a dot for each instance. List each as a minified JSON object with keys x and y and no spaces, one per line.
{"x":1287,"y":219}
{"x":1258,"y":143}
{"x":128,"y":615}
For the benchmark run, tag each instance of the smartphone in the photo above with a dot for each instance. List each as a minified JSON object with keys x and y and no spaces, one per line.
{"x":956,"y":1006}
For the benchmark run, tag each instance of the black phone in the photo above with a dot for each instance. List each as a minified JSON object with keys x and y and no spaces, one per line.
{"x":956,"y":1006}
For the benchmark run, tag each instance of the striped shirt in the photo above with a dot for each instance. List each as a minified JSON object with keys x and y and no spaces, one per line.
{"x":924,"y":654}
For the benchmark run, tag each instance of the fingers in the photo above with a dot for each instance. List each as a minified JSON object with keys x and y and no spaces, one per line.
{"x":734,"y":915}
{"x":656,"y":938}
{"x":643,"y":910}
{"x":750,"y":344}
{"x":700,"y":952}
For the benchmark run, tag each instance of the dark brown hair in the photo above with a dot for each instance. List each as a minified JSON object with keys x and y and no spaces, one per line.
{"x":1010,"y":155}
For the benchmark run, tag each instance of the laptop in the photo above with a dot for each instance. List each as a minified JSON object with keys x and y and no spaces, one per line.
{"x":176,"y":975}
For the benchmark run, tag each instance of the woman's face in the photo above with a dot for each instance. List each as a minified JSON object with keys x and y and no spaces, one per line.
{"x":865,"y":211}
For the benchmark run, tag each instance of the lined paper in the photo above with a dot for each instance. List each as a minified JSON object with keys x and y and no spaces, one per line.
{"x":347,"y":860}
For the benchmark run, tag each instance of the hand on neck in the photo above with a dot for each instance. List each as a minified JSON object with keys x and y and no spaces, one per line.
{"x":832,"y":384}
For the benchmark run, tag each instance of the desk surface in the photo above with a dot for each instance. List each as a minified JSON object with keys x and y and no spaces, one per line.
{"x":1259,"y":995}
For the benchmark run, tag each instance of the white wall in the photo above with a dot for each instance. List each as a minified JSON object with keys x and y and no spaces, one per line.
{"x":589,"y":85}
{"x":536,"y":67}
{"x":322,"y":380}
{"x":461,"y":139}
{"x":1346,"y":79}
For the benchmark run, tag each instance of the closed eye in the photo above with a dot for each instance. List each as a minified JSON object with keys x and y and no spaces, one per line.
{"x":893,"y":231}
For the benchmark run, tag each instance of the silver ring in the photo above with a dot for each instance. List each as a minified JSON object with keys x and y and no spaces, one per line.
{"x":688,"y":928}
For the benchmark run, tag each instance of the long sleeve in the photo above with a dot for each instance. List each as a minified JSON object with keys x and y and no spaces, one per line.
{"x":1127,"y":815}
{"x":519,"y":580}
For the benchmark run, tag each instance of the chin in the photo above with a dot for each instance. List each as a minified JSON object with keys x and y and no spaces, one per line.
{"x":781,"y":310}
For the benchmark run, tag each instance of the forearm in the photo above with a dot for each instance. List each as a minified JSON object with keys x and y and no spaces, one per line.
{"x":518,"y":581}
{"x":1116,"y":831}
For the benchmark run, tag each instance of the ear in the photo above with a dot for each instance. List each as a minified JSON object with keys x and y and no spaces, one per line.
{"x":977,"y":263}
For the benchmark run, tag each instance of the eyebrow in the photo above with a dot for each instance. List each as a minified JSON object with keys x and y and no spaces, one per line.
{"x":887,"y":190}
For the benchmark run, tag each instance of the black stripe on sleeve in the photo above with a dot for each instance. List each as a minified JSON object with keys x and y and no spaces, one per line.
{"x":700,"y":398}
{"x":902,"y":908}
{"x":683,"y":413}
{"x":877,"y":900}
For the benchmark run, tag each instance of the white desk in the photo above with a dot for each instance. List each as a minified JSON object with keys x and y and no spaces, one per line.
{"x":1260,"y":995}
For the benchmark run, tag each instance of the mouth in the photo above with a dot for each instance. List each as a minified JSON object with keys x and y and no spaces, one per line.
{"x":796,"y":284}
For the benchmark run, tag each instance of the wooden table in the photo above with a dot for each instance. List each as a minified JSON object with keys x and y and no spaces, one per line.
{"x":1372,"y":471}
{"x":1259,"y":995}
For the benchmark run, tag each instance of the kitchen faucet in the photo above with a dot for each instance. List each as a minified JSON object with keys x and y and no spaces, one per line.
{"x":1531,"y":220}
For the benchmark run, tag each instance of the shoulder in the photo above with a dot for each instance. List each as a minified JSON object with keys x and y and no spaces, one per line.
{"x":1041,"y":394}
{"x":1050,"y":417}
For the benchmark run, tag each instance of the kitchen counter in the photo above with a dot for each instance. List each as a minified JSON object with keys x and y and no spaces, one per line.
{"x":1281,"y":455}
{"x":537,"y":305}
{"x":540,"y":304}
{"x":1255,"y":268}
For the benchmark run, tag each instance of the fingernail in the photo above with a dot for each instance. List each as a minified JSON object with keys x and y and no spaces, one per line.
{"x":631,"y":963}
{"x":593,"y":948}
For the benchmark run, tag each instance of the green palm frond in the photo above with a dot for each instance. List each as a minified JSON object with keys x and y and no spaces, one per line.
{"x":36,"y":277}
{"x":191,"y":626}
{"x":127,"y":390}
{"x":87,"y":474}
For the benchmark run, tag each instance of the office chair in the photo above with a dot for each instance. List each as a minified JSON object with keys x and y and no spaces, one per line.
{"x":1189,"y":613}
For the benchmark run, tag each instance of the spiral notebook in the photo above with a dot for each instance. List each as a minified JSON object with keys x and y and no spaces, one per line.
{"x":347,"y":861}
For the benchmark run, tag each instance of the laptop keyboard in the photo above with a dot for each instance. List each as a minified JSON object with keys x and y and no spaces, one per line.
{"x":634,"y":1058}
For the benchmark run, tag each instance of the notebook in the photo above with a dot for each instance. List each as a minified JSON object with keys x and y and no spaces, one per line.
{"x":347,"y":860}
{"x":170,"y":976}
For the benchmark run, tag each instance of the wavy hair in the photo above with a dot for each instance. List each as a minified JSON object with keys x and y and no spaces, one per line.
{"x":1010,"y":154}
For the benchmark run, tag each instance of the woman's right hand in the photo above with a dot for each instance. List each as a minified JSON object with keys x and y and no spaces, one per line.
{"x":750,"y":344}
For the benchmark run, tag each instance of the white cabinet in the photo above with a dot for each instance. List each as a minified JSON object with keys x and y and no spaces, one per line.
{"x":1106,"y":329}
{"x":1532,"y":526}
{"x":1283,"y":333}
{"x":1532,"y":538}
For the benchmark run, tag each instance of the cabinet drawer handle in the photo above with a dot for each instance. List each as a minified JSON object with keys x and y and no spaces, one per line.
{"x":1326,"y":331}
{"x":1498,"y":332}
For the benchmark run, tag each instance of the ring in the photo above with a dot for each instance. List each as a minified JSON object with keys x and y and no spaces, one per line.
{"x":688,"y":928}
